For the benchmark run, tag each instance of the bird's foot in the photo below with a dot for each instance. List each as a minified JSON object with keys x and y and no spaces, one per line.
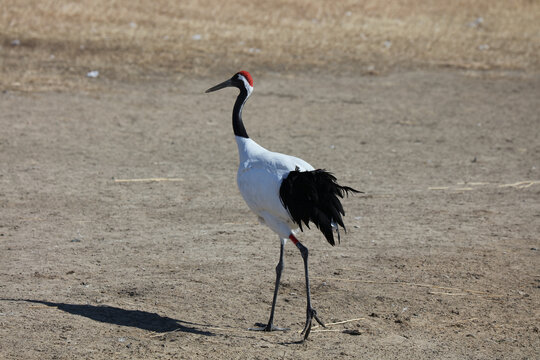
{"x":311,"y":314}
{"x":269,"y":327}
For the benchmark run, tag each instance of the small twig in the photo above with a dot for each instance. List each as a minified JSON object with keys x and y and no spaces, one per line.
{"x":517,"y":185}
{"x":476,"y":292}
{"x":339,"y":322}
{"x":224,"y":329}
{"x":521,"y":184}
{"x":464,"y":294}
{"x":326,"y":330}
{"x":129,"y":303}
{"x":154,"y":334}
{"x":447,"y":293}
{"x":147,"y":180}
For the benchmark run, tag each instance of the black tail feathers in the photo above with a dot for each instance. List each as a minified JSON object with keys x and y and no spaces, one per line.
{"x":314,"y":196}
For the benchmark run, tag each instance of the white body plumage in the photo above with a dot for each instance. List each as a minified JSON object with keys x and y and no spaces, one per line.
{"x":260,"y":174}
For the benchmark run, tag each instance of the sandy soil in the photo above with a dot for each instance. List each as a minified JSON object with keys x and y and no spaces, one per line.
{"x":441,"y":259}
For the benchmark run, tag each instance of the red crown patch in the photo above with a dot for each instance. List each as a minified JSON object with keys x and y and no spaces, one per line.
{"x":247,"y":76}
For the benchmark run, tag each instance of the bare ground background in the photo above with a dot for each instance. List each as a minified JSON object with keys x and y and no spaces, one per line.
{"x":441,"y":259}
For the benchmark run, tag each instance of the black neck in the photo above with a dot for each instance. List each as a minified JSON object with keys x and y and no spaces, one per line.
{"x":238,"y":125}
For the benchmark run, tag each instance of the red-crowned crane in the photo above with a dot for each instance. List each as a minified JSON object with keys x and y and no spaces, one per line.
{"x":284,"y":192}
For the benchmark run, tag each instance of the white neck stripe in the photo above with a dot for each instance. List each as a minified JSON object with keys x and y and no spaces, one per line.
{"x":248,"y":87}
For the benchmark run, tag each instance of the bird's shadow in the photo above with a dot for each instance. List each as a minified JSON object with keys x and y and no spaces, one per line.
{"x":134,"y":318}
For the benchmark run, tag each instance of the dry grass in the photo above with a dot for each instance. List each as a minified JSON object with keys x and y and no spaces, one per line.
{"x":61,"y":40}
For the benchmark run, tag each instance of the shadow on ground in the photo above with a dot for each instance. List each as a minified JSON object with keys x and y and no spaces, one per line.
{"x":135,"y":318}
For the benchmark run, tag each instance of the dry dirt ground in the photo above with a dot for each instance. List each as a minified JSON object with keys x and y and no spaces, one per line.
{"x":441,"y":259}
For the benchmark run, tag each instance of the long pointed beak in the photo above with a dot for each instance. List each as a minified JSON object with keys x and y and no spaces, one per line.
{"x":224,"y":84}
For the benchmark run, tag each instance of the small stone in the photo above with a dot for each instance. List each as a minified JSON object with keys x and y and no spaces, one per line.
{"x":483,"y":47}
{"x":477,"y":22}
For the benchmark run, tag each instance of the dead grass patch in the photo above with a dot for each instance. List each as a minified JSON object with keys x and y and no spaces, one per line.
{"x":53,"y":43}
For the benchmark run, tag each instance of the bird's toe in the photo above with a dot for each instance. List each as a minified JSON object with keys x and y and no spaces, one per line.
{"x":311,"y":314}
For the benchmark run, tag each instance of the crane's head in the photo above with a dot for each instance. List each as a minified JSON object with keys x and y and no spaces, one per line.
{"x":241,"y":80}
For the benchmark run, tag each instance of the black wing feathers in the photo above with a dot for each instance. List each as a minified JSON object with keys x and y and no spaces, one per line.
{"x":314,"y":196}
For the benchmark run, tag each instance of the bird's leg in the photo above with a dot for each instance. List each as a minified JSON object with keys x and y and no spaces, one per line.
{"x":279,"y":268}
{"x":311,"y":313}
